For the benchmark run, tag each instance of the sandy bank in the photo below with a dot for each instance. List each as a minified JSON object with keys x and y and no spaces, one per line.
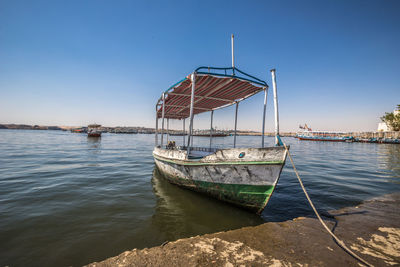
{"x":371,"y":229}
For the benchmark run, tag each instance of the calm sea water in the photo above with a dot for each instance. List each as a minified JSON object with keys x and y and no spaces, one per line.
{"x":69,"y":200}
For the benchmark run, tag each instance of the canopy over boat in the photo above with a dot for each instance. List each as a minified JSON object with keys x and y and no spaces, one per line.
{"x":243,"y":176}
{"x":214,"y":88}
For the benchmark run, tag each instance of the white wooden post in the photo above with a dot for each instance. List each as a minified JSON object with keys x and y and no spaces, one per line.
{"x":275,"y":106}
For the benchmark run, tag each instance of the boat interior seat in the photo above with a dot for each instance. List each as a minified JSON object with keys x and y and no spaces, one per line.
{"x":199,"y":154}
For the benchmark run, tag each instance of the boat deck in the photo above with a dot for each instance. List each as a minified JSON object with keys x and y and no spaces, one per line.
{"x":197,"y":153}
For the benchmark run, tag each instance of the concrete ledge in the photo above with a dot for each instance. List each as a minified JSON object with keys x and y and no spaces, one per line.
{"x":371,"y":229}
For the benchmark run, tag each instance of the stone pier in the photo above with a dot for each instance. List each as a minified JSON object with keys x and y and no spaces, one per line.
{"x":371,"y":230}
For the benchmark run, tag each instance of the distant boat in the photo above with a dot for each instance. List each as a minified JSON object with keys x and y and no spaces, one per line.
{"x":93,"y":130}
{"x":324,"y":136}
{"x":178,"y":134}
{"x":368,"y":140}
{"x":213,"y":134}
{"x":80,"y":130}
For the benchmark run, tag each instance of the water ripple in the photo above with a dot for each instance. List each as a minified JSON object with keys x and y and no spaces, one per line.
{"x":69,"y":200}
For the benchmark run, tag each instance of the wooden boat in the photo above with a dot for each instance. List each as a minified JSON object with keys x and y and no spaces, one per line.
{"x":177,"y":134}
{"x":243,"y":176}
{"x":93,"y":130}
{"x":78,"y":130}
{"x":324,"y":136}
{"x":210,"y":133}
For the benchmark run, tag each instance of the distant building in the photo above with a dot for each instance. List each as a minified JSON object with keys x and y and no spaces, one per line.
{"x":383,"y":127}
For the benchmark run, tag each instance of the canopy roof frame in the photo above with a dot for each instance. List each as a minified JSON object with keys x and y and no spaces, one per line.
{"x":251,"y":84}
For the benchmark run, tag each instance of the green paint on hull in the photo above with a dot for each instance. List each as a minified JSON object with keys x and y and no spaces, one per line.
{"x":252,"y":197}
{"x":198,"y":163}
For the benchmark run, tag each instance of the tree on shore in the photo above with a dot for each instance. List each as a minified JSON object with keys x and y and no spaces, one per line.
{"x":392,"y":119}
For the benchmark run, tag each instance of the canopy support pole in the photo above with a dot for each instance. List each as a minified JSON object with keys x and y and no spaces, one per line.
{"x":167,"y":130}
{"x":275,"y":107}
{"x":162,"y":120}
{"x":193,"y":78}
{"x":183,"y":132}
{"x":234,"y":137}
{"x":211,"y":128}
{"x":191,"y":140}
{"x":263,"y":122}
{"x":156,"y":133}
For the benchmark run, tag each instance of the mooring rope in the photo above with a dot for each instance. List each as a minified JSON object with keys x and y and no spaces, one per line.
{"x":340,"y":242}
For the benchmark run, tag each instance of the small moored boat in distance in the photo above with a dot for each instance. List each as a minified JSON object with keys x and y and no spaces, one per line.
{"x":93,"y":130}
{"x":79,"y":130}
{"x":211,"y":133}
{"x":310,"y":135}
{"x":177,"y":134}
{"x":245,"y":176}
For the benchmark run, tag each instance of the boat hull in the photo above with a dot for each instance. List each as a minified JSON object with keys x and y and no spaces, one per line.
{"x":247,"y":183}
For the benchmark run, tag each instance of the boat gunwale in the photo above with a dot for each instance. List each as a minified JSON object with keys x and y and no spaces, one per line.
{"x":204,"y":163}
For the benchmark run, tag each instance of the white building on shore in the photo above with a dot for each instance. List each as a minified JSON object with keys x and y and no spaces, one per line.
{"x":383,"y":127}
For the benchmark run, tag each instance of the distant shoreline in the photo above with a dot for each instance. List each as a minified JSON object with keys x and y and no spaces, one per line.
{"x":204,"y":133}
{"x":127,"y":129}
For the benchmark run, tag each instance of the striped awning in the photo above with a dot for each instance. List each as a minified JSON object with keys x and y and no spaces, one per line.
{"x":211,"y":92}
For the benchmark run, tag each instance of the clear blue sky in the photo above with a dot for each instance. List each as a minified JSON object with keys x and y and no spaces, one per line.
{"x":79,"y":62}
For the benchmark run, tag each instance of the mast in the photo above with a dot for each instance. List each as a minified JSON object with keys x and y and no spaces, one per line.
{"x":233,"y":55}
{"x":275,"y":107}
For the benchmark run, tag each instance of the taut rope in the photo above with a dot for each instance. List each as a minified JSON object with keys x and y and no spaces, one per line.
{"x":340,"y":242}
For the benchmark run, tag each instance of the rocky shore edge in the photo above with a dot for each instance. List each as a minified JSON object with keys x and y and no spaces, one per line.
{"x":371,"y":229}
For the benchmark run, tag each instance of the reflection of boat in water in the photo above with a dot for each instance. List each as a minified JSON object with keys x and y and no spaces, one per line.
{"x":242,"y":176}
{"x":183,"y":213}
{"x":93,"y":130}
